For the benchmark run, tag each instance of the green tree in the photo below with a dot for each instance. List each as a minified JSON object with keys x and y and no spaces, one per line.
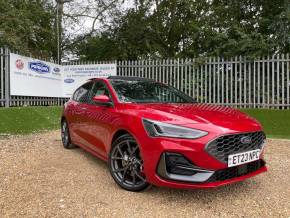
{"x":98,"y":48}
{"x":189,"y":28}
{"x":28,"y":27}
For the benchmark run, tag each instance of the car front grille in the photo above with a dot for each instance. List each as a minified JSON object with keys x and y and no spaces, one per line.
{"x":234,"y":172}
{"x":226,"y":145}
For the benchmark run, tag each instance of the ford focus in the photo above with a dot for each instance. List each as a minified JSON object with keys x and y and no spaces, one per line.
{"x":150,"y":133}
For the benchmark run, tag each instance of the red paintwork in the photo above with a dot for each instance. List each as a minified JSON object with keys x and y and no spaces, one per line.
{"x":93,"y":127}
{"x":101,"y":99}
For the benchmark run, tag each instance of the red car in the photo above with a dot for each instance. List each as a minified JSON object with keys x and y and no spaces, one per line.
{"x":151,"y":133}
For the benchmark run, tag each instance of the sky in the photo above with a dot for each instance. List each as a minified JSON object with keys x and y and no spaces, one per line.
{"x":86,"y":7}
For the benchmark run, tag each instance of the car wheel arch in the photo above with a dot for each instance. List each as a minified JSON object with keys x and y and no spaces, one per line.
{"x":120,"y":132}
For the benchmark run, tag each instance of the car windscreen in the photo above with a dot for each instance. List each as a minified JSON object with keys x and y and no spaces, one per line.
{"x":148,"y":92}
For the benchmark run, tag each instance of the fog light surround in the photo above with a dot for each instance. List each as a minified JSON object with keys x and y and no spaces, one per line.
{"x":178,"y":164}
{"x":174,"y":166}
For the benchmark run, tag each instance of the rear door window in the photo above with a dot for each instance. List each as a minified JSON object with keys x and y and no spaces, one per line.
{"x":82,"y":94}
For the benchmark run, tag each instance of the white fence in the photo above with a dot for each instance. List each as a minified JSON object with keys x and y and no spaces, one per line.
{"x":237,"y":82}
{"x":260,"y":83}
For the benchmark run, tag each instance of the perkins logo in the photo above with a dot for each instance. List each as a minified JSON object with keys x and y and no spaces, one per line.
{"x":246,"y":140}
{"x":56,"y":69}
{"x":39,"y":67}
{"x":69,"y":80}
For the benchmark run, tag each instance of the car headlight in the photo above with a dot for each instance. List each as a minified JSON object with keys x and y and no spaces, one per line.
{"x":155,"y":129}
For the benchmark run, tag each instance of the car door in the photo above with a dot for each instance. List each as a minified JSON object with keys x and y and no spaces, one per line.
{"x":78,"y":112}
{"x":98,"y":120}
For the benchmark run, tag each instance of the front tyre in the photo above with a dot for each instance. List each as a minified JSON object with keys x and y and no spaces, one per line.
{"x":65,"y":136}
{"x":126,"y":164}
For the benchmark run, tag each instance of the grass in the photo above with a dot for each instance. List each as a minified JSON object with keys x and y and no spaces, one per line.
{"x":276,"y":123}
{"x":25,"y":120}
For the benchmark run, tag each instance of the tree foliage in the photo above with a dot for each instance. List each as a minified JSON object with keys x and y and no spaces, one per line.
{"x":146,"y":29}
{"x":189,"y":28}
{"x":28,"y":27}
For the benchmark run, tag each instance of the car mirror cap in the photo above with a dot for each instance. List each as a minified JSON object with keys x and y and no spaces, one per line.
{"x":102,"y":100}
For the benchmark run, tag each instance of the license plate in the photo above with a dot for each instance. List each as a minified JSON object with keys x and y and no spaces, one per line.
{"x":245,"y":157}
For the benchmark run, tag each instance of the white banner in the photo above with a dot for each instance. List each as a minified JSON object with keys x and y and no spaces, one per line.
{"x":33,"y":77}
{"x":76,"y":75}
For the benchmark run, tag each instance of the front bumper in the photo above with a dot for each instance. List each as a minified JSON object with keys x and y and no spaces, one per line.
{"x":207,"y":171}
{"x":184,"y":185}
{"x":177,"y":168}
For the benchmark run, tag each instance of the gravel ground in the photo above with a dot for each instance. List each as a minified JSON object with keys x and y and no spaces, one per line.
{"x":38,"y":178}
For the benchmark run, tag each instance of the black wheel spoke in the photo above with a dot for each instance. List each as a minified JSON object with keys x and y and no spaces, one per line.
{"x":140,"y":162}
{"x":140,"y":177}
{"x":129,"y":147}
{"x":119,"y":149}
{"x":120,"y":170}
{"x":117,"y":158}
{"x":124,"y":174}
{"x":134,"y":178}
{"x":133,"y":151}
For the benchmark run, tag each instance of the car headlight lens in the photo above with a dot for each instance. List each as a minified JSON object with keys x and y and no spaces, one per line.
{"x":155,"y":129}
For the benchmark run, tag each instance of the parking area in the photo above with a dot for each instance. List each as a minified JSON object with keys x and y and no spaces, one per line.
{"x":38,"y":178}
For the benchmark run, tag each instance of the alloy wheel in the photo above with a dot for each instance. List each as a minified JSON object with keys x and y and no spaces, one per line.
{"x":65,"y":136}
{"x":64,"y":133}
{"x":126,"y":165}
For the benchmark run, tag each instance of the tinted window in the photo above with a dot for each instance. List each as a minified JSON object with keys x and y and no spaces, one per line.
{"x":148,"y":92}
{"x":82,"y":94}
{"x":100,"y":88}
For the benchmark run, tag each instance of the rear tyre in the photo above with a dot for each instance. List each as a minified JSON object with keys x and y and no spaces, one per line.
{"x":65,"y":136}
{"x":126,"y":164}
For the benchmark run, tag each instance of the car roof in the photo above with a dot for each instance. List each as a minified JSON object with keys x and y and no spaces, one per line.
{"x":122,"y":78}
{"x":129,"y":78}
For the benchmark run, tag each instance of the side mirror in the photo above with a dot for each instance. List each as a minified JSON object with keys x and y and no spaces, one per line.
{"x":102,"y":100}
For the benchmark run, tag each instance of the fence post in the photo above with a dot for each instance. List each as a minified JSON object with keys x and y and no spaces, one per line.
{"x":7,"y":77}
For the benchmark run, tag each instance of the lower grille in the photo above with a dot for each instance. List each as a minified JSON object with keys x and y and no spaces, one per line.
{"x":226,"y":145}
{"x":234,"y":172}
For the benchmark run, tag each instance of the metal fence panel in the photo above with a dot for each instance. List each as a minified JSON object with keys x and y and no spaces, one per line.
{"x":2,"y":68}
{"x":237,"y":82}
